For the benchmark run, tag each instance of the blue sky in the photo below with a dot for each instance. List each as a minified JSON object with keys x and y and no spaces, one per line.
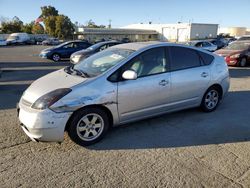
{"x":124,"y":12}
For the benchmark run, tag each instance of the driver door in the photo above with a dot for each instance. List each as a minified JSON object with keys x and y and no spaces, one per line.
{"x":150,"y":92}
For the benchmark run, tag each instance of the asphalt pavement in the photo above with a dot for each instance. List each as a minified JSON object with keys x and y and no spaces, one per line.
{"x":183,"y":149}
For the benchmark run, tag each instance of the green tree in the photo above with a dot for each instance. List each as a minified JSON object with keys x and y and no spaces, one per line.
{"x":27,"y":28}
{"x":13,"y":26}
{"x":37,"y":29}
{"x":56,"y":25}
{"x":64,"y":27}
{"x":50,"y":25}
{"x":92,"y":24}
{"x":49,"y":15}
{"x":48,"y":11}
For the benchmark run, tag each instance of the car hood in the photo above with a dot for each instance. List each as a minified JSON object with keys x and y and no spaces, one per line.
{"x":10,"y":40}
{"x":225,"y":52}
{"x":48,"y":49}
{"x":55,"y":80}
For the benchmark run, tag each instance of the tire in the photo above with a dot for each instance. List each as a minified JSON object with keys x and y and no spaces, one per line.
{"x":242,"y":62}
{"x":88,"y":126}
{"x":56,"y":57}
{"x":211,"y":99}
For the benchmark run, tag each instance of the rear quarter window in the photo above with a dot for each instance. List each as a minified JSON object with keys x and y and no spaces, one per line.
{"x":184,"y":58}
{"x":206,"y":58}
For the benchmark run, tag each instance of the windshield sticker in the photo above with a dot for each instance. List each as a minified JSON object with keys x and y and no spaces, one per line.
{"x":115,"y":56}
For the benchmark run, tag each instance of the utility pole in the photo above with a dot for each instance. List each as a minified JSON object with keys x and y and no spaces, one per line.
{"x":109,"y":26}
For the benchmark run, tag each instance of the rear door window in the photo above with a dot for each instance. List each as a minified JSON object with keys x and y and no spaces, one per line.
{"x":206,"y":58}
{"x":183,"y":58}
{"x":83,"y":45}
{"x":206,"y":44}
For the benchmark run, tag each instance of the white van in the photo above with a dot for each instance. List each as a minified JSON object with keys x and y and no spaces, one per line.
{"x":18,"y":38}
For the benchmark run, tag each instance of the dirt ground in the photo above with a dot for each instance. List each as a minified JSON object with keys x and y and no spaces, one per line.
{"x":184,"y":149}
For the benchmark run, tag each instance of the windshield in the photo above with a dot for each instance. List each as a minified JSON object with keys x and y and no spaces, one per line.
{"x":238,"y":46}
{"x":95,"y":46}
{"x":12,"y":37}
{"x":191,"y":43}
{"x":102,"y":61}
{"x":60,"y":45}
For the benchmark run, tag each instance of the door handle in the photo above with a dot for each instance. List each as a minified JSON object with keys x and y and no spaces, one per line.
{"x":204,"y":74}
{"x":163,"y":82}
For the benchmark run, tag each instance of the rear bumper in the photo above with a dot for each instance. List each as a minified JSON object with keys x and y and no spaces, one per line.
{"x":225,"y":86}
{"x":43,"y":125}
{"x":232,"y":63}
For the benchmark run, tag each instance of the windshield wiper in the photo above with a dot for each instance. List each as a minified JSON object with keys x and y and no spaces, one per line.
{"x":70,"y":70}
{"x":81,"y":73}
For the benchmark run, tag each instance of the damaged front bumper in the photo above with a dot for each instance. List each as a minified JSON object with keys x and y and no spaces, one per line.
{"x":43,"y":125}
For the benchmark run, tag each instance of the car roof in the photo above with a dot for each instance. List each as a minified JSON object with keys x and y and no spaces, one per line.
{"x":245,"y":36}
{"x":107,"y":42}
{"x":242,"y":41}
{"x":137,"y":45}
{"x":196,"y":41}
{"x":99,"y":44}
{"x":77,"y":41}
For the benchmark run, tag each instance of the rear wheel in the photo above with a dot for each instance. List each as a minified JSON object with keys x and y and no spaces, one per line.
{"x":56,"y":57}
{"x":88,"y":126}
{"x":211,"y":99}
{"x":243,"y":62}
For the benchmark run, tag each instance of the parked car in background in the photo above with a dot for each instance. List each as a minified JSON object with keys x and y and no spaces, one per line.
{"x":230,"y":40}
{"x":3,"y":42}
{"x":205,"y":45}
{"x":17,"y":38}
{"x":244,"y":37}
{"x":237,"y":53}
{"x":31,"y":41}
{"x":63,"y":50}
{"x":125,"y":40}
{"x":220,"y":43}
{"x":121,"y":84}
{"x":82,"y":54}
{"x":51,"y":41}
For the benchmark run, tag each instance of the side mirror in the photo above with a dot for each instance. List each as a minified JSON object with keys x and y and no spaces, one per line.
{"x":129,"y":75}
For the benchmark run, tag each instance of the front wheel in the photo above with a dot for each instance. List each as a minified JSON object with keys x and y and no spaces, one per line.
{"x":88,"y":126}
{"x":56,"y":57}
{"x":210,"y":100}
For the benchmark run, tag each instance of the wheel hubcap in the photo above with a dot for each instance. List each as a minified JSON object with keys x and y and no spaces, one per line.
{"x":212,"y":99}
{"x":56,"y":57}
{"x":90,"y":127}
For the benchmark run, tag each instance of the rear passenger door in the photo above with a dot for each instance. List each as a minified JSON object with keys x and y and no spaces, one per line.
{"x":83,"y":45}
{"x":67,"y":50}
{"x":189,"y":77}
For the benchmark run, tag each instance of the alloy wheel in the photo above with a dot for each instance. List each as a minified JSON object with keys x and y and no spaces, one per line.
{"x":90,"y":126}
{"x":211,"y":99}
{"x":56,"y":57}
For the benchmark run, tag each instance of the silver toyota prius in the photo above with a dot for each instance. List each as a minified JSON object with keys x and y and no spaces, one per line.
{"x":121,"y":84}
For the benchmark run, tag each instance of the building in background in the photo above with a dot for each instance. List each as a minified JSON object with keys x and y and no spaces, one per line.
{"x":180,"y":32}
{"x":133,"y":35}
{"x":248,"y":31}
{"x":234,"y":31}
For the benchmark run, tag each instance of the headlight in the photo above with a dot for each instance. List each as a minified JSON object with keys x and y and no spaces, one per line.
{"x":50,"y":98}
{"x":234,"y":56}
{"x":76,"y":58}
